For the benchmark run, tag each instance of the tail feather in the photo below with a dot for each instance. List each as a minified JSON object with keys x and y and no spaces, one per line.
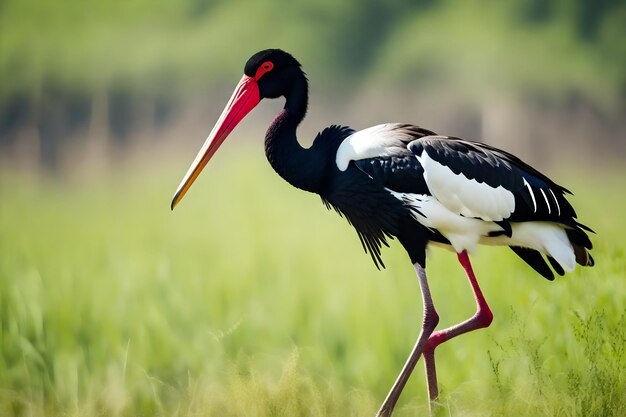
{"x":581,"y":244}
{"x":556,"y":266}
{"x":563,"y":246}
{"x":577,"y":236}
{"x":582,"y":256}
{"x":535,"y":260}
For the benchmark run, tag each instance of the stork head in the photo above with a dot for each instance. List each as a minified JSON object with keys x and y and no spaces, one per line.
{"x":267,"y":74}
{"x":274,"y":71}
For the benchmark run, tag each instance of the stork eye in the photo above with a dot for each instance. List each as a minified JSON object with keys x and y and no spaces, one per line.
{"x":265,"y":67}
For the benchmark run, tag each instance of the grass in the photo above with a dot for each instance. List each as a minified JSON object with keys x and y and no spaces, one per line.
{"x":251,"y":300}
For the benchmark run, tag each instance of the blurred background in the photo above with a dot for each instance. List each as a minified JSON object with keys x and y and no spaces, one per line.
{"x":100,"y":80}
{"x":250,"y":299}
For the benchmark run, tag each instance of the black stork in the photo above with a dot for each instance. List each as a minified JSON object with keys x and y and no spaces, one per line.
{"x":404,"y":181}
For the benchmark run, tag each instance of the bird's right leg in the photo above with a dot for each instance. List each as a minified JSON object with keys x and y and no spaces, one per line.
{"x":481,"y":319}
{"x":428,"y":326}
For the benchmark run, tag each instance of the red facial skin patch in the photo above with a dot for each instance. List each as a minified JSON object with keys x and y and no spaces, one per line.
{"x":265,"y":67}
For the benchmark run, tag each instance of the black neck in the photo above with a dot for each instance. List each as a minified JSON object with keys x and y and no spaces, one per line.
{"x":302,"y":168}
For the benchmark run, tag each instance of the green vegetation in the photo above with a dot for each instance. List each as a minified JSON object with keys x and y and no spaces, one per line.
{"x":72,"y":71}
{"x":251,"y":300}
{"x":164,"y":47}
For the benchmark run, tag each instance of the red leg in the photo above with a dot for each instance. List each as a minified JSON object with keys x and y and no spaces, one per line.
{"x":482,"y":318}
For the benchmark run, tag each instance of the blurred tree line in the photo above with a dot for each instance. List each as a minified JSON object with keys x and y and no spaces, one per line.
{"x":71,"y":66}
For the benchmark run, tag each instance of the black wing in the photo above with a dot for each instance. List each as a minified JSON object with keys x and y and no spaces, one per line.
{"x":400,"y":171}
{"x":537,"y":197}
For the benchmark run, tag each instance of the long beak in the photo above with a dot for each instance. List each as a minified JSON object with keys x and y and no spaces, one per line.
{"x":245,"y":97}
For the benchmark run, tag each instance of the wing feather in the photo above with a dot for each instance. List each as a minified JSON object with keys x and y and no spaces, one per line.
{"x":477,"y":180}
{"x":469,"y":178}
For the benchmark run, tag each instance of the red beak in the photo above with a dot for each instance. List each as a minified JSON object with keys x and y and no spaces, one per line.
{"x":245,"y":97}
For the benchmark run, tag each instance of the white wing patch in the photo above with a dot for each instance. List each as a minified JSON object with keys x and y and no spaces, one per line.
{"x":466,"y":197}
{"x":374,"y":141}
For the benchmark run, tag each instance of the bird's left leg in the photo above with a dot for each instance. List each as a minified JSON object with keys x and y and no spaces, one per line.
{"x":429,"y":323}
{"x":482,"y":318}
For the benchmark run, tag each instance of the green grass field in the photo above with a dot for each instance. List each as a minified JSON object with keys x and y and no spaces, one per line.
{"x":252,"y":300}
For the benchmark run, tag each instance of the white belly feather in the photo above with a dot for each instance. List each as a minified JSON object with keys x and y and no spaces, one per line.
{"x":465,"y":233}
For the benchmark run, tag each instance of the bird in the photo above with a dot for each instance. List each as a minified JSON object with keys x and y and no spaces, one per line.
{"x":401,"y":181}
